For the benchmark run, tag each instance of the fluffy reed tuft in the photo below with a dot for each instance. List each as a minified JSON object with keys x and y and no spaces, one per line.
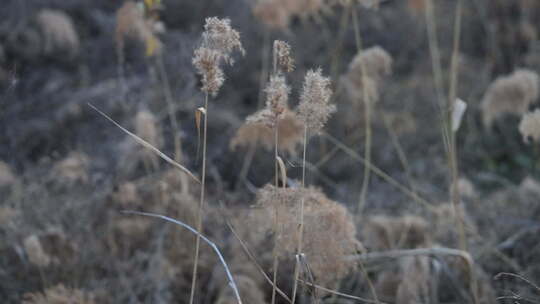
{"x":376,"y":63}
{"x":277,"y":99}
{"x":219,"y":40}
{"x":257,"y":132}
{"x":511,"y":94}
{"x":529,"y":127}
{"x":59,"y":294}
{"x":220,"y":36}
{"x":329,"y":231}
{"x":282,"y":56}
{"x":314,"y":108}
{"x":58,"y":32}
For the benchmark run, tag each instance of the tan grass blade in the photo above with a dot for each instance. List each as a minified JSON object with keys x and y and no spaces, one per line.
{"x":146,"y":144}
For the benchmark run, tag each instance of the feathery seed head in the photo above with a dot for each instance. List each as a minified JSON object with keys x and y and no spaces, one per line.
{"x":282,"y":56}
{"x":219,"y":40}
{"x":529,"y":127}
{"x":314,"y":109}
{"x":277,"y":97}
{"x":375,"y":60}
{"x":220,"y":36}
{"x":206,"y":61}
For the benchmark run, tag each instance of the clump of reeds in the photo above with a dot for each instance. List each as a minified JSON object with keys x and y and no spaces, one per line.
{"x":529,"y":127}
{"x":329,"y":231}
{"x":511,"y":94}
{"x":219,"y":41}
{"x":58,"y":32}
{"x":59,"y":294}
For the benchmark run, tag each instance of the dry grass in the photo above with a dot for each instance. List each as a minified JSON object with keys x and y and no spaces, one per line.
{"x":301,"y":245}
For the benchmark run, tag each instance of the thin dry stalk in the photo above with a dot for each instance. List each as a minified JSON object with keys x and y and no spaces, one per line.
{"x":201,"y":201}
{"x":230,"y":277}
{"x":354,"y":155}
{"x":219,"y":40}
{"x":147,"y":145}
{"x":367,"y":116}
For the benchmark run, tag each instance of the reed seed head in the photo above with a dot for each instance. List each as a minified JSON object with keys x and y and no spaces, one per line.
{"x":220,"y":36}
{"x":314,"y":108}
{"x":219,"y":40}
{"x":277,"y":98}
{"x":282,"y":56}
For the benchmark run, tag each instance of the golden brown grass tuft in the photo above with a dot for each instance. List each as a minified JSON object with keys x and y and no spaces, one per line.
{"x":256,"y":132}
{"x":529,"y":127}
{"x":511,"y":94}
{"x":329,"y":231}
{"x":59,"y":33}
{"x":59,"y":294}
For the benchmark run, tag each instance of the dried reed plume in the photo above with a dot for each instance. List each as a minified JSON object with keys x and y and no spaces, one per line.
{"x":219,"y":40}
{"x":314,"y":108}
{"x":529,"y":127}
{"x":282,"y":56}
{"x":59,"y":294}
{"x":131,"y":23}
{"x":256,"y":131}
{"x":277,"y":99}
{"x":376,"y":63}
{"x":510,"y":94}
{"x":329,"y":234}
{"x":58,"y":32}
